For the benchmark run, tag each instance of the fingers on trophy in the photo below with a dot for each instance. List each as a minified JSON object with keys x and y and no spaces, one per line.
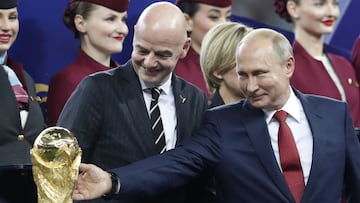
{"x":55,"y":157}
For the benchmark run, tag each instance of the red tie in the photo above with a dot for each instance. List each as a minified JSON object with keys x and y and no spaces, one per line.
{"x":289,"y":157}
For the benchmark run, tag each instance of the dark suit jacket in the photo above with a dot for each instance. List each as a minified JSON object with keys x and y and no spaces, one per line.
{"x":108,"y":115}
{"x":216,"y":100}
{"x":235,"y":143}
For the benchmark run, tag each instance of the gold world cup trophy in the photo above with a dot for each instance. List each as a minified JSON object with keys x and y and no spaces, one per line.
{"x":55,"y":157}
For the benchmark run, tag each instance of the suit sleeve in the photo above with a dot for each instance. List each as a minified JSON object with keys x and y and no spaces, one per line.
{"x":82,"y":114}
{"x":175,"y":168}
{"x":352,"y":171}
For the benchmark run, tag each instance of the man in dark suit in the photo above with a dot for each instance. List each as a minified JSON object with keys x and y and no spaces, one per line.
{"x":109,"y":111}
{"x":239,"y":142}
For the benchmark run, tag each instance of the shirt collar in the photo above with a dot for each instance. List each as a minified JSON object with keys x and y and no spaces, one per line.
{"x":165,"y":87}
{"x":292,"y":107}
{"x":3,"y":57}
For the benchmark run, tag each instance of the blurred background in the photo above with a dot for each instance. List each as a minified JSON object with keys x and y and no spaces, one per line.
{"x":45,"y":45}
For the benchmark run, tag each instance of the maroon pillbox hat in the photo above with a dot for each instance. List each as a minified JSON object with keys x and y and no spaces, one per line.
{"x":116,"y":5}
{"x":218,"y":3}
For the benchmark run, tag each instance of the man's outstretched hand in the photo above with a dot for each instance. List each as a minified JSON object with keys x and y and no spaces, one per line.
{"x":93,"y":182}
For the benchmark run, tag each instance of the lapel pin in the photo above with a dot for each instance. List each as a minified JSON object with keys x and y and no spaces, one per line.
{"x":353,"y":82}
{"x":182,"y":99}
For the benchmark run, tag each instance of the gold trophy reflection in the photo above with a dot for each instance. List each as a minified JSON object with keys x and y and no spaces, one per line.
{"x":55,"y":157}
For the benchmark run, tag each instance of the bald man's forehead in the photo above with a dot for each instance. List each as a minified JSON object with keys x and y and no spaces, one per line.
{"x":161,"y":36}
{"x":162,"y":31}
{"x":160,"y":11}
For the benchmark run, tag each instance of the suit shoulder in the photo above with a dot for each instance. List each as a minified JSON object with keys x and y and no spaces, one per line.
{"x":114,"y":72}
{"x":107,"y":78}
{"x":323,"y":99}
{"x":231,"y":107}
{"x":185,"y":85}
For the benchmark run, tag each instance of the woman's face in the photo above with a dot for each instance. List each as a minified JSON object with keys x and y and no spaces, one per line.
{"x":9,"y":28}
{"x":317,"y":17}
{"x":104,"y":30}
{"x":231,"y":84}
{"x":205,"y":18}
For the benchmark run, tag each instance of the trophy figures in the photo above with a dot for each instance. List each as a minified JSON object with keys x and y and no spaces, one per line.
{"x":55,"y":157}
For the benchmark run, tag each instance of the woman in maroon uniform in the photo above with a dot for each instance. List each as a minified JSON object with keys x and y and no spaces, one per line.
{"x":100,"y":25}
{"x":201,"y":15}
{"x":318,"y":71}
{"x":355,"y":56}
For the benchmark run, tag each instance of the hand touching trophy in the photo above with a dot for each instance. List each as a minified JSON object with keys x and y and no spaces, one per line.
{"x":56,"y":157}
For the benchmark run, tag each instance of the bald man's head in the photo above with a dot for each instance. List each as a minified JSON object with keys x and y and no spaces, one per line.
{"x":160,"y":40}
{"x":264,"y":37}
{"x":162,"y":17}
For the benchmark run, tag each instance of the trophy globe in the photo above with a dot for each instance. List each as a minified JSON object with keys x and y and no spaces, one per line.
{"x":55,"y":157}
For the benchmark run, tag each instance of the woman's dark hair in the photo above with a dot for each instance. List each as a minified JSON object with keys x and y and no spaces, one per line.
{"x":281,"y":10}
{"x":74,"y":8}
{"x":189,"y":8}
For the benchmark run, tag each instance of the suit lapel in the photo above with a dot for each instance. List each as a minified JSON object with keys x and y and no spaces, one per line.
{"x":260,"y":138}
{"x":8,"y":98}
{"x":318,"y":128}
{"x":180,"y":98}
{"x":138,"y":114}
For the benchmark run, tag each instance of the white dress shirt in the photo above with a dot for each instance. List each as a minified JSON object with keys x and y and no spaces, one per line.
{"x":300,"y":129}
{"x":167,"y":108}
{"x":14,"y":80}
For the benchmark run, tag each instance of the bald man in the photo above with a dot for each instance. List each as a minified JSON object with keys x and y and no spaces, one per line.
{"x":109,"y":112}
{"x":238,"y":142}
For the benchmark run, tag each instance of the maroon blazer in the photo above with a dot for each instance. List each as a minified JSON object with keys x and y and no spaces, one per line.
{"x":355,"y":57}
{"x":63,"y":83}
{"x":189,"y":69}
{"x":311,"y":77}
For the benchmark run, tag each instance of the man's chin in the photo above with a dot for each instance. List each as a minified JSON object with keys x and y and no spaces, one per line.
{"x":150,"y":82}
{"x":257,"y":103}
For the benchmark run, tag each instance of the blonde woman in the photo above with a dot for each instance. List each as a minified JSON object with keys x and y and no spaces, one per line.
{"x":217,"y":60}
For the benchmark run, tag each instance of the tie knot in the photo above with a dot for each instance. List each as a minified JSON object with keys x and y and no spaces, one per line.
{"x":155,"y":93}
{"x":280,"y":115}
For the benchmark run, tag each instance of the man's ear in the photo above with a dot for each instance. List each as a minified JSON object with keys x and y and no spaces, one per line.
{"x":186,"y":47}
{"x":290,"y":66}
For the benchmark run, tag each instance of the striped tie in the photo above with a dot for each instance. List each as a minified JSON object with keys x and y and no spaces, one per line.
{"x":156,"y":122}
